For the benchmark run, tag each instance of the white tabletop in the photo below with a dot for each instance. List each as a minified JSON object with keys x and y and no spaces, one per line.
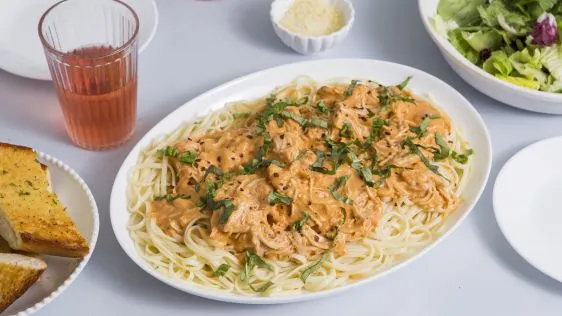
{"x":201,"y":44}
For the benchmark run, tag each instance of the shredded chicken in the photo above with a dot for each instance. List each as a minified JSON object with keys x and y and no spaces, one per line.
{"x":281,"y":189}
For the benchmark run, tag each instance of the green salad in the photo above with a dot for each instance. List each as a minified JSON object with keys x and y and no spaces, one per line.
{"x":514,"y":40}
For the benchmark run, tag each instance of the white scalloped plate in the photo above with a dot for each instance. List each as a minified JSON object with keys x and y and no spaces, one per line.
{"x":61,"y":272}
{"x":263,"y":82}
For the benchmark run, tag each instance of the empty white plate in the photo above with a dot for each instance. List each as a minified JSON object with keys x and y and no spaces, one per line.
{"x":21,"y":52}
{"x":527,"y":204}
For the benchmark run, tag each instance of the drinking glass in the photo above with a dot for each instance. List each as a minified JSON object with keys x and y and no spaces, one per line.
{"x":91,"y":49}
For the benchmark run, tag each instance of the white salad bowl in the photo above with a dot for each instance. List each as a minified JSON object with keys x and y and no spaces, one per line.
{"x":459,"y":110}
{"x":308,"y":45}
{"x":508,"y":93}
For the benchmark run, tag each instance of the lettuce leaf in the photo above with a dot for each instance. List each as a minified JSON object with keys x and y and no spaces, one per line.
{"x":457,"y":40}
{"x":443,"y":27}
{"x":464,"y":12}
{"x":497,"y":14}
{"x":480,"y":40}
{"x":551,"y":58}
{"x":522,"y":82}
{"x":529,"y":65}
{"x":498,"y":64}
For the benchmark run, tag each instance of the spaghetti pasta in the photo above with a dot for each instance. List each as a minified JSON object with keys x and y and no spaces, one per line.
{"x":410,"y":216}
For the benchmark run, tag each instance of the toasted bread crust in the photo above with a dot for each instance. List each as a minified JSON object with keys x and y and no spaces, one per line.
{"x":15,"y":280}
{"x":53,"y":247}
{"x":19,"y":147}
{"x":31,"y":217}
{"x":4,"y":247}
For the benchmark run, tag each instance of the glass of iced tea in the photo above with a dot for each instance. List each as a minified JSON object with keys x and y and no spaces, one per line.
{"x":91,"y":49}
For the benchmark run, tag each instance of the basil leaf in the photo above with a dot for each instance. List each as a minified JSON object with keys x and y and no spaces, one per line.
{"x":318,"y":123}
{"x":462,"y":158}
{"x":298,"y":225}
{"x":239,"y":115}
{"x":346,"y":130}
{"x":169,"y":151}
{"x":251,"y":261}
{"x":404,"y":83}
{"x":297,"y":118}
{"x":227,"y":211}
{"x":387,"y":97}
{"x":321,"y":108}
{"x":308,"y":271}
{"x":422,"y":129}
{"x":222,"y":269}
{"x":349,"y":91}
{"x":277,"y":198}
{"x":170,"y":197}
{"x":364,"y":172}
{"x":262,"y":288}
{"x":304,"y":122}
{"x":340,"y":181}
{"x":258,"y":161}
{"x":214,"y":170}
{"x":383,"y":173}
{"x":443,"y":151}
{"x":318,"y":164}
{"x":207,"y":200}
{"x":188,"y":158}
{"x":415,"y":150}
{"x":376,"y":131}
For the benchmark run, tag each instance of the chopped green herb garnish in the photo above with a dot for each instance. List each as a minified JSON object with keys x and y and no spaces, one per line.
{"x":318,"y":165}
{"x":207,"y":200}
{"x":346,"y":130}
{"x":422,"y":129}
{"x":375,"y":132}
{"x":404,"y":83}
{"x":443,"y":151}
{"x":169,"y":151}
{"x":303,"y":122}
{"x":462,"y":158}
{"x":364,"y":172}
{"x":434,"y":116}
{"x":239,"y":115}
{"x":340,"y":181}
{"x":298,"y":225}
{"x":387,"y":97}
{"x":383,"y":173}
{"x":344,"y":212}
{"x":321,"y":108}
{"x":227,"y":211}
{"x":172,"y":197}
{"x":349,"y":91}
{"x":222,"y":269}
{"x":262,"y":288}
{"x":277,"y":198}
{"x":259,"y":160}
{"x":251,"y":261}
{"x":414,"y":149}
{"x":188,"y":158}
{"x":308,"y":271}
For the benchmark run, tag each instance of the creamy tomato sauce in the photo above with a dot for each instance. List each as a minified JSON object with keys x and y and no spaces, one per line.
{"x":306,"y":178}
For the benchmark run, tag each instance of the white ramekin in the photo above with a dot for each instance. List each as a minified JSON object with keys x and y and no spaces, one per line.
{"x":308,"y":45}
